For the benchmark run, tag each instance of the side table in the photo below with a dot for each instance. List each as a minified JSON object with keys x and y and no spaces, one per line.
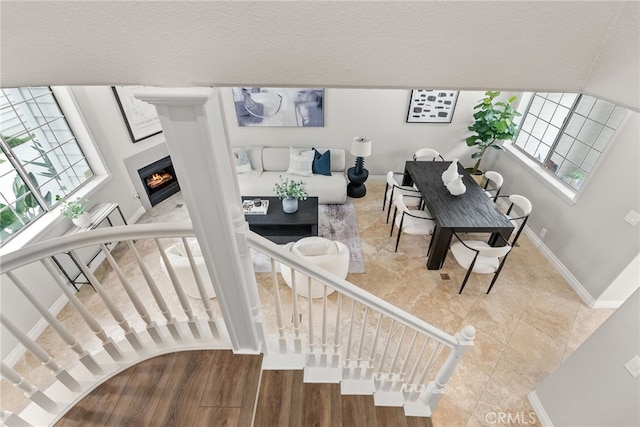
{"x":99,"y":214}
{"x":356,"y":188}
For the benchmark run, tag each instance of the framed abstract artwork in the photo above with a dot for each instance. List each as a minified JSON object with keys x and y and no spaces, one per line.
{"x":272,"y":106}
{"x":141,"y":118}
{"x":432,"y":106}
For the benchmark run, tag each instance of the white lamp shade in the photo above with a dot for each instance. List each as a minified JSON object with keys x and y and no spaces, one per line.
{"x":361,"y":146}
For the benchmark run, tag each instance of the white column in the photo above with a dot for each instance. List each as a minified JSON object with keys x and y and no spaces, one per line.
{"x":193,"y":125}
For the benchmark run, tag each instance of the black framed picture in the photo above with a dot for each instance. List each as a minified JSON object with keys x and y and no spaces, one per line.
{"x":432,"y":106}
{"x":140,"y":117}
{"x":277,"y":106}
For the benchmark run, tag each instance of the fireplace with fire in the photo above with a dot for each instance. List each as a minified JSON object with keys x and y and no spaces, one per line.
{"x":159,"y":180}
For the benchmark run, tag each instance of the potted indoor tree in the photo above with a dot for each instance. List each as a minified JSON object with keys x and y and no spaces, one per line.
{"x":290,"y":191}
{"x":493,"y":123}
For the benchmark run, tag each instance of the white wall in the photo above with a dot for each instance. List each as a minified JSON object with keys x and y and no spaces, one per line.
{"x":589,"y":237}
{"x":592,"y":387}
{"x":379,"y":114}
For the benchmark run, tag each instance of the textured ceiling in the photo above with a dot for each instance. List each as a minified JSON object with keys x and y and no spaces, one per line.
{"x":508,"y":45}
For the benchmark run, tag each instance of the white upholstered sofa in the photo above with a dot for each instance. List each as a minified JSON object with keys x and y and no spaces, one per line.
{"x":268,"y":163}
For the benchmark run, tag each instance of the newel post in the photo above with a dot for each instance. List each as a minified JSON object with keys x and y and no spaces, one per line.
{"x":193,"y":125}
{"x":435,"y":389}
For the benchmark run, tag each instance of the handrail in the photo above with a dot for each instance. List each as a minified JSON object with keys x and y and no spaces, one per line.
{"x":54,"y":246}
{"x":57,"y":245}
{"x":349,"y":289}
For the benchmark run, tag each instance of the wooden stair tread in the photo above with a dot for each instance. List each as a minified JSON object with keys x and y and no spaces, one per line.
{"x":284,"y":400}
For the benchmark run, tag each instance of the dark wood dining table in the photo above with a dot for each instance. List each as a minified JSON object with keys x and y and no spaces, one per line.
{"x":471,"y":211}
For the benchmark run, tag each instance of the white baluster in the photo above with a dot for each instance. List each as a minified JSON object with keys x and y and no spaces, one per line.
{"x":61,"y":374}
{"x":35,"y":395}
{"x":434,"y":355}
{"x":324,"y":322}
{"x":374,"y":345}
{"x":129,"y":332}
{"x":403,"y":368}
{"x":347,"y":371}
{"x":394,"y":361}
{"x":276,"y":293}
{"x":157,"y":295}
{"x":337,"y":334}
{"x":350,"y":337}
{"x":386,"y":349}
{"x":372,"y":353}
{"x":412,"y":376}
{"x":362,"y":333}
{"x":152,"y":327}
{"x":359,"y":357}
{"x":310,"y":303}
{"x":182,"y":297}
{"x":296,"y":313}
{"x":435,"y":389}
{"x":12,"y":420}
{"x":204,"y":296}
{"x":107,"y":342}
{"x":391,"y":375}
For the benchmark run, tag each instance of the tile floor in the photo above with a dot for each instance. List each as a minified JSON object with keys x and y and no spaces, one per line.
{"x":526,"y":327}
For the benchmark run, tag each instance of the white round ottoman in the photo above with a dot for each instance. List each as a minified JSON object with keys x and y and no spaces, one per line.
{"x":329,"y":255}
{"x":179,"y":260}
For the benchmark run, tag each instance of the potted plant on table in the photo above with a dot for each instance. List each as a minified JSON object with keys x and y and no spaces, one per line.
{"x":290,"y":191}
{"x":76,"y":210}
{"x":493,"y":123}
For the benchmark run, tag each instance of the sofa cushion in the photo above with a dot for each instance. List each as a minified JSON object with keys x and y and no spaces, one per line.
{"x":300,"y":162}
{"x":241,"y":158}
{"x":322,"y":163}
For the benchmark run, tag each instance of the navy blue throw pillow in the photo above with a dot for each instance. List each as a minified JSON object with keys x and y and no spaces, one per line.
{"x":322,"y":163}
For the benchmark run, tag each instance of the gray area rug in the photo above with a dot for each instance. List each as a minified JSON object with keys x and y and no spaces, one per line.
{"x":335,"y":222}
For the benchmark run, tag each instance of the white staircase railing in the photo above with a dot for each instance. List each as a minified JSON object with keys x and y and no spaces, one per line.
{"x":355,"y":338}
{"x":351,"y":337}
{"x":154,"y":318}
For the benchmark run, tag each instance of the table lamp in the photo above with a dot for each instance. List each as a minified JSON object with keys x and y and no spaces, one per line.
{"x":361,"y":148}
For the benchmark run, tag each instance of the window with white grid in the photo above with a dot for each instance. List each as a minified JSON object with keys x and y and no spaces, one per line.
{"x":40,"y":158}
{"x":567,"y":133}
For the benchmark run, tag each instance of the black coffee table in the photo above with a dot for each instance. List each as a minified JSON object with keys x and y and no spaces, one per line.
{"x":280,"y":227}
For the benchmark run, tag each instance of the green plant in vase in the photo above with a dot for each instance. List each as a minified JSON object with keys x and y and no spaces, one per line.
{"x":290,"y":191}
{"x":72,"y":208}
{"x":493,"y":123}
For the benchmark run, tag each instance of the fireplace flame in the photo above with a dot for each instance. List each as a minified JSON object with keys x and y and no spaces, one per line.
{"x":157,"y":179}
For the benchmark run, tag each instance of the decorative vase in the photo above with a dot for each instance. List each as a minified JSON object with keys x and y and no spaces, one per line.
{"x":451,"y":173}
{"x":83,"y":220}
{"x":456,"y":186}
{"x":289,"y":205}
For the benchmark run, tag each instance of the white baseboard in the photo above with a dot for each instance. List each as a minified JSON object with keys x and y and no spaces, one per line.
{"x":15,"y":355}
{"x":136,"y":215}
{"x":541,"y":413}
{"x":607,"y":303}
{"x":564,"y":271}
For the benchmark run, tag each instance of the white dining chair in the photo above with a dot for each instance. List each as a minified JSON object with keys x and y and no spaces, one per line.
{"x":427,"y":154}
{"x":518,"y":212}
{"x":479,"y":257}
{"x":492,"y":184}
{"x":410,"y":221}
{"x":414,"y":199}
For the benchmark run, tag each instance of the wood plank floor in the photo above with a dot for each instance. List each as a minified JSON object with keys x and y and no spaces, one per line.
{"x":218,"y":388}
{"x":194,"y":388}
